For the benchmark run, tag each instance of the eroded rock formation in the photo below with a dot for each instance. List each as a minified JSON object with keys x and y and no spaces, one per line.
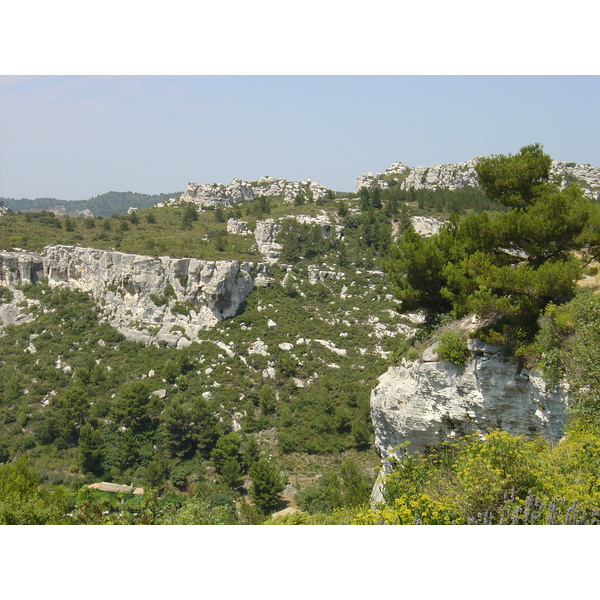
{"x":219,"y":194}
{"x":431,"y":401}
{"x":460,"y":175}
{"x":148,"y":299}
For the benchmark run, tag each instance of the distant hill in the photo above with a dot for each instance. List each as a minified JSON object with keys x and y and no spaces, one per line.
{"x":103,"y":205}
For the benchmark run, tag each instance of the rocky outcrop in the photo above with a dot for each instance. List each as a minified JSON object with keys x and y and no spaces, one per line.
{"x":426,"y":226}
{"x":322,"y":221}
{"x":431,"y":401}
{"x":461,"y":175}
{"x":148,"y":299}
{"x":265,"y":235}
{"x":219,"y":194}
{"x":451,"y":176}
{"x":587,"y":177}
{"x":16,"y":267}
{"x":237,"y":227}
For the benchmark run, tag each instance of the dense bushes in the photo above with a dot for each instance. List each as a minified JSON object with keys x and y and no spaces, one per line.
{"x":495,"y":478}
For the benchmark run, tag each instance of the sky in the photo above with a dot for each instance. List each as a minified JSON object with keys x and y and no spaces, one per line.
{"x":143,"y":100}
{"x":73,"y":137}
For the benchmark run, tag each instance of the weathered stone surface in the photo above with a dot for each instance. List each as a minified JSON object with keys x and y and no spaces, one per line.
{"x":20,"y":266}
{"x":139,"y":292}
{"x":426,"y":226}
{"x":315,"y":275}
{"x":237,"y":227}
{"x":16,"y":311}
{"x":460,"y":175}
{"x":265,"y":235}
{"x":427,"y":403}
{"x":219,"y":194}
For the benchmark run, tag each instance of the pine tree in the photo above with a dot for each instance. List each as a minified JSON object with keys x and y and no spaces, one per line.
{"x":267,"y":484}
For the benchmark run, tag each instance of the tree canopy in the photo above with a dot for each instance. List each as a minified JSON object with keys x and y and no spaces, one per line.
{"x":503,"y":266}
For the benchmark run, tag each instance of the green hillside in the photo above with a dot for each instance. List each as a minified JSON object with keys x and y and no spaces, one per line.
{"x":270,"y":408}
{"x":104,"y":205}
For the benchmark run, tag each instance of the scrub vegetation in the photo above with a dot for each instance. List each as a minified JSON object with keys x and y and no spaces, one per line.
{"x":271,"y":407}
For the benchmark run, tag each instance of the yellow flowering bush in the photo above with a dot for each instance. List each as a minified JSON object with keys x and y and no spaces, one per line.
{"x":489,"y":468}
{"x":419,"y":509}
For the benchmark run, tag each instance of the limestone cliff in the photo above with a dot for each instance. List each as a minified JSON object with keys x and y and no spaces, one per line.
{"x":431,"y":401}
{"x":148,"y":299}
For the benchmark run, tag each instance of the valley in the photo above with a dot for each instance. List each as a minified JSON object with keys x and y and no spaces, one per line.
{"x":221,"y":350}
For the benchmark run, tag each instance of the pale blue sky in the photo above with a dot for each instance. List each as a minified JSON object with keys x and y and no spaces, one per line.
{"x":73,"y":137}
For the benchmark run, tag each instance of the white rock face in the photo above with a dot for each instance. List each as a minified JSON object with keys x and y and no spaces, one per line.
{"x":16,"y":267}
{"x":426,"y":226}
{"x":219,"y":194}
{"x":138,"y":292}
{"x":450,"y":176}
{"x":315,"y":275}
{"x":588,"y":177}
{"x":265,"y":235}
{"x":460,"y":175}
{"x":237,"y":227}
{"x":427,"y":403}
{"x":14,"y":313}
{"x":258,"y":347}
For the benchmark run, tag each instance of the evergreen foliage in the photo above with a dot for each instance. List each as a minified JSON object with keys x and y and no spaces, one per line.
{"x":267,"y":484}
{"x":503,"y":266}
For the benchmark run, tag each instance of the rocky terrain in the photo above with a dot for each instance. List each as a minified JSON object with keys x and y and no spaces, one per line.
{"x":429,"y":401}
{"x":421,"y":404}
{"x":147,"y":299}
{"x":288,"y":346}
{"x":460,"y":175}
{"x":219,"y":194}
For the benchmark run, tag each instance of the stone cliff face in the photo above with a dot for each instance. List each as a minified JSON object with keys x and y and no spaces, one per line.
{"x":205,"y":195}
{"x":147,"y":299}
{"x":428,"y":402}
{"x":16,"y":267}
{"x":460,"y":175}
{"x":431,"y":401}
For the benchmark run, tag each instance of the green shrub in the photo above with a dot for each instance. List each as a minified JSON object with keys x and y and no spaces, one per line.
{"x":158,"y":300}
{"x":5,"y":295}
{"x":453,"y":348}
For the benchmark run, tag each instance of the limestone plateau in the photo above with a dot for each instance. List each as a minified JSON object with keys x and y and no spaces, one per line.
{"x":163,"y":299}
